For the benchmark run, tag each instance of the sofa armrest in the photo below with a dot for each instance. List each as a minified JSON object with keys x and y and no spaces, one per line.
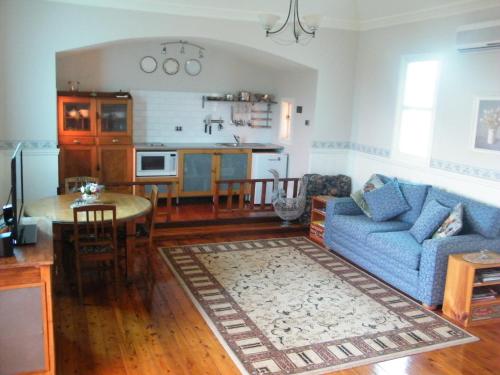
{"x":434,"y":262}
{"x":342,"y":206}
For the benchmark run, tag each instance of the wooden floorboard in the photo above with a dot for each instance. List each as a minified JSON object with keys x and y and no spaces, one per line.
{"x":159,"y":331}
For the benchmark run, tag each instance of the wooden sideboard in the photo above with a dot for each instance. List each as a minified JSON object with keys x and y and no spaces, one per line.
{"x":26,"y":318}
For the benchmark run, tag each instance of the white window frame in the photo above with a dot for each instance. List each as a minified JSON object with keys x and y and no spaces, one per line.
{"x":396,"y":153}
{"x":288,"y":139}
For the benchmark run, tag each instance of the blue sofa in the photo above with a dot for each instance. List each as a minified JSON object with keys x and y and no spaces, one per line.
{"x":387,"y":249}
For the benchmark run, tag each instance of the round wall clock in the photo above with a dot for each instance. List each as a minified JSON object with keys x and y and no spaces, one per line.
{"x":193,"y":67}
{"x":148,"y":64}
{"x":171,"y":66}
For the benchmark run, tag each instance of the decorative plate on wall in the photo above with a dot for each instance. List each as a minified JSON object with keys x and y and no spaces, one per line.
{"x":171,"y":66}
{"x":193,"y":67}
{"x":148,"y":64}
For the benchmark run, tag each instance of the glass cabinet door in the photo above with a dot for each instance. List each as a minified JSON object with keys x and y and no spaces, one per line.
{"x":114,"y":117}
{"x":233,"y":167}
{"x":76,"y":116}
{"x":197,"y":173}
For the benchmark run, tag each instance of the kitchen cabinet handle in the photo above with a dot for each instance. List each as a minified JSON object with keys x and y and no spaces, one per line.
{"x":115,"y":140}
{"x":277,"y":159}
{"x":76,"y":141}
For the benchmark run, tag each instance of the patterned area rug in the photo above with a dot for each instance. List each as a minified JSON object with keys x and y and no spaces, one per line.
{"x":288,"y":306}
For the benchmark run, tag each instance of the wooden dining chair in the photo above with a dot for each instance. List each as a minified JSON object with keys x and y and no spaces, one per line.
{"x":73,"y":184}
{"x":145,"y":233}
{"x":95,"y":239}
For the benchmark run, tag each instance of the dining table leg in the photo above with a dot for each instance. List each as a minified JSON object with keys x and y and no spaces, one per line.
{"x":57,"y":237}
{"x":130,"y":247}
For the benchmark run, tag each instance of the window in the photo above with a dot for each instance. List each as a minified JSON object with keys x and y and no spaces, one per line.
{"x":286,"y":121}
{"x":417,"y":108}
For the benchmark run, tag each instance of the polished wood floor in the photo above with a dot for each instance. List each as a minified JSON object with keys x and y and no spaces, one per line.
{"x":161,"y":332}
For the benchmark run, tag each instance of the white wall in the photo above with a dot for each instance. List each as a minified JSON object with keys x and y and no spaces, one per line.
{"x":38,"y":29}
{"x":463,"y":78}
{"x":226,"y":67}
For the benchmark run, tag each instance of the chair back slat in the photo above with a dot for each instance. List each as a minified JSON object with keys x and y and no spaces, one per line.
{"x":93,"y":221}
{"x":94,"y":233}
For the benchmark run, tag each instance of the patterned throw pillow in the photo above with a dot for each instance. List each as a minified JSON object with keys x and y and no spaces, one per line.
{"x":453,"y":224}
{"x":432,"y":216}
{"x":358,"y":196}
{"x":386,"y":202}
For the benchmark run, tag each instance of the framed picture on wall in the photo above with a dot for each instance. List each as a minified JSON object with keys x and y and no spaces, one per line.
{"x":486,"y":130}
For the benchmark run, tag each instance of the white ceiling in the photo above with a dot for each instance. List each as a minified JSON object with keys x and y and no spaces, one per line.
{"x":349,"y":14}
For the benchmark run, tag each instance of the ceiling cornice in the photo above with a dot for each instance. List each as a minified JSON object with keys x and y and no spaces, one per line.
{"x":159,"y":6}
{"x":462,"y":7}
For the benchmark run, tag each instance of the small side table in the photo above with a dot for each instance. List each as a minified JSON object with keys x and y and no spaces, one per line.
{"x":463,"y":281}
{"x":318,"y":215}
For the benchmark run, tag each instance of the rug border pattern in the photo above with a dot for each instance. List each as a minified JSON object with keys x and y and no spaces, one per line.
{"x":325,"y":258}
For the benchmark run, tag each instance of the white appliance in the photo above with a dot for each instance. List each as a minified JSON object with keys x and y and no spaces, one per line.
{"x":261,"y":164}
{"x":479,"y":37}
{"x":156,"y":163}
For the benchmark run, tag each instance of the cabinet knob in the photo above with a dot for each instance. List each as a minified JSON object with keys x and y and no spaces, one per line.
{"x":115,"y":140}
{"x":76,"y":141}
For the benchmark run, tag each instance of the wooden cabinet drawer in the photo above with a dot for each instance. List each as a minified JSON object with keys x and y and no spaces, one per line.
{"x":114,"y":140}
{"x":73,"y":140}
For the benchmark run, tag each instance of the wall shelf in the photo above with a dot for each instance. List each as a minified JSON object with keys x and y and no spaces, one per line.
{"x":222,"y":100}
{"x":256,"y":109}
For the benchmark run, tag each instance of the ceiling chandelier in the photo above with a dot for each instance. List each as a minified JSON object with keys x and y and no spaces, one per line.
{"x":302,"y":29}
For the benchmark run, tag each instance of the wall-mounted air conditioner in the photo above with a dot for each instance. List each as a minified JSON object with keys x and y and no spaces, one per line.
{"x":479,"y":37}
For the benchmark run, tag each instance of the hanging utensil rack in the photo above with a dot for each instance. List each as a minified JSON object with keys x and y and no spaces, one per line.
{"x":260,"y":111}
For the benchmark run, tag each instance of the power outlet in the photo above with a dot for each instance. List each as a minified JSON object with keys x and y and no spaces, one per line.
{"x":178,"y":128}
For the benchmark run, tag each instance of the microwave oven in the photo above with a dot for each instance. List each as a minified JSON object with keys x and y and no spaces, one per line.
{"x":156,"y":163}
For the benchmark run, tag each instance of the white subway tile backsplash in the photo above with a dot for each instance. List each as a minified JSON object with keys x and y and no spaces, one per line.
{"x":157,"y":113}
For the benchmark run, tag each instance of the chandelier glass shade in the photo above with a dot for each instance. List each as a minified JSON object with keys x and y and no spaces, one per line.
{"x":300,"y":29}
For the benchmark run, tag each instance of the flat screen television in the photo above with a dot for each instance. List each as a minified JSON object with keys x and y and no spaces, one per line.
{"x":21,"y":234}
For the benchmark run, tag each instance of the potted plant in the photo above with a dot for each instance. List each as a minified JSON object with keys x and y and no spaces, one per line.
{"x":91,"y":192}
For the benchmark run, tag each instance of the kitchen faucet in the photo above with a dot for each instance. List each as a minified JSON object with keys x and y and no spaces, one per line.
{"x":237,"y":139}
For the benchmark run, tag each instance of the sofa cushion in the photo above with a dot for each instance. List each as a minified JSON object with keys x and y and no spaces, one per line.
{"x":478,"y":217}
{"x":386,"y":202}
{"x":432,"y":216}
{"x":373,"y":183}
{"x":360,"y":226}
{"x":415,"y":196}
{"x":399,"y":246}
{"x":453,"y":223}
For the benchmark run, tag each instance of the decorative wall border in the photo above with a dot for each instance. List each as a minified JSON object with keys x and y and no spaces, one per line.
{"x":347,"y":145}
{"x":466,"y":170}
{"x":28,"y":144}
{"x":445,"y":165}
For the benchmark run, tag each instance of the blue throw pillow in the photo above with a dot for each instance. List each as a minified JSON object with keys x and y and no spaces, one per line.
{"x":432,"y":216}
{"x":415,"y":196}
{"x":386,"y":202}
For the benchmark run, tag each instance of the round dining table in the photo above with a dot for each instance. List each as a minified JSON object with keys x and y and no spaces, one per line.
{"x":58,"y":209}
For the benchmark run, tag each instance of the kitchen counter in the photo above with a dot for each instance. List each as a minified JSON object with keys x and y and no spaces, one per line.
{"x":207,"y":146}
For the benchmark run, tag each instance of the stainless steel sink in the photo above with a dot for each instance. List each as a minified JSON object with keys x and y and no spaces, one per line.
{"x":243,"y":145}
{"x":229,"y":144}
